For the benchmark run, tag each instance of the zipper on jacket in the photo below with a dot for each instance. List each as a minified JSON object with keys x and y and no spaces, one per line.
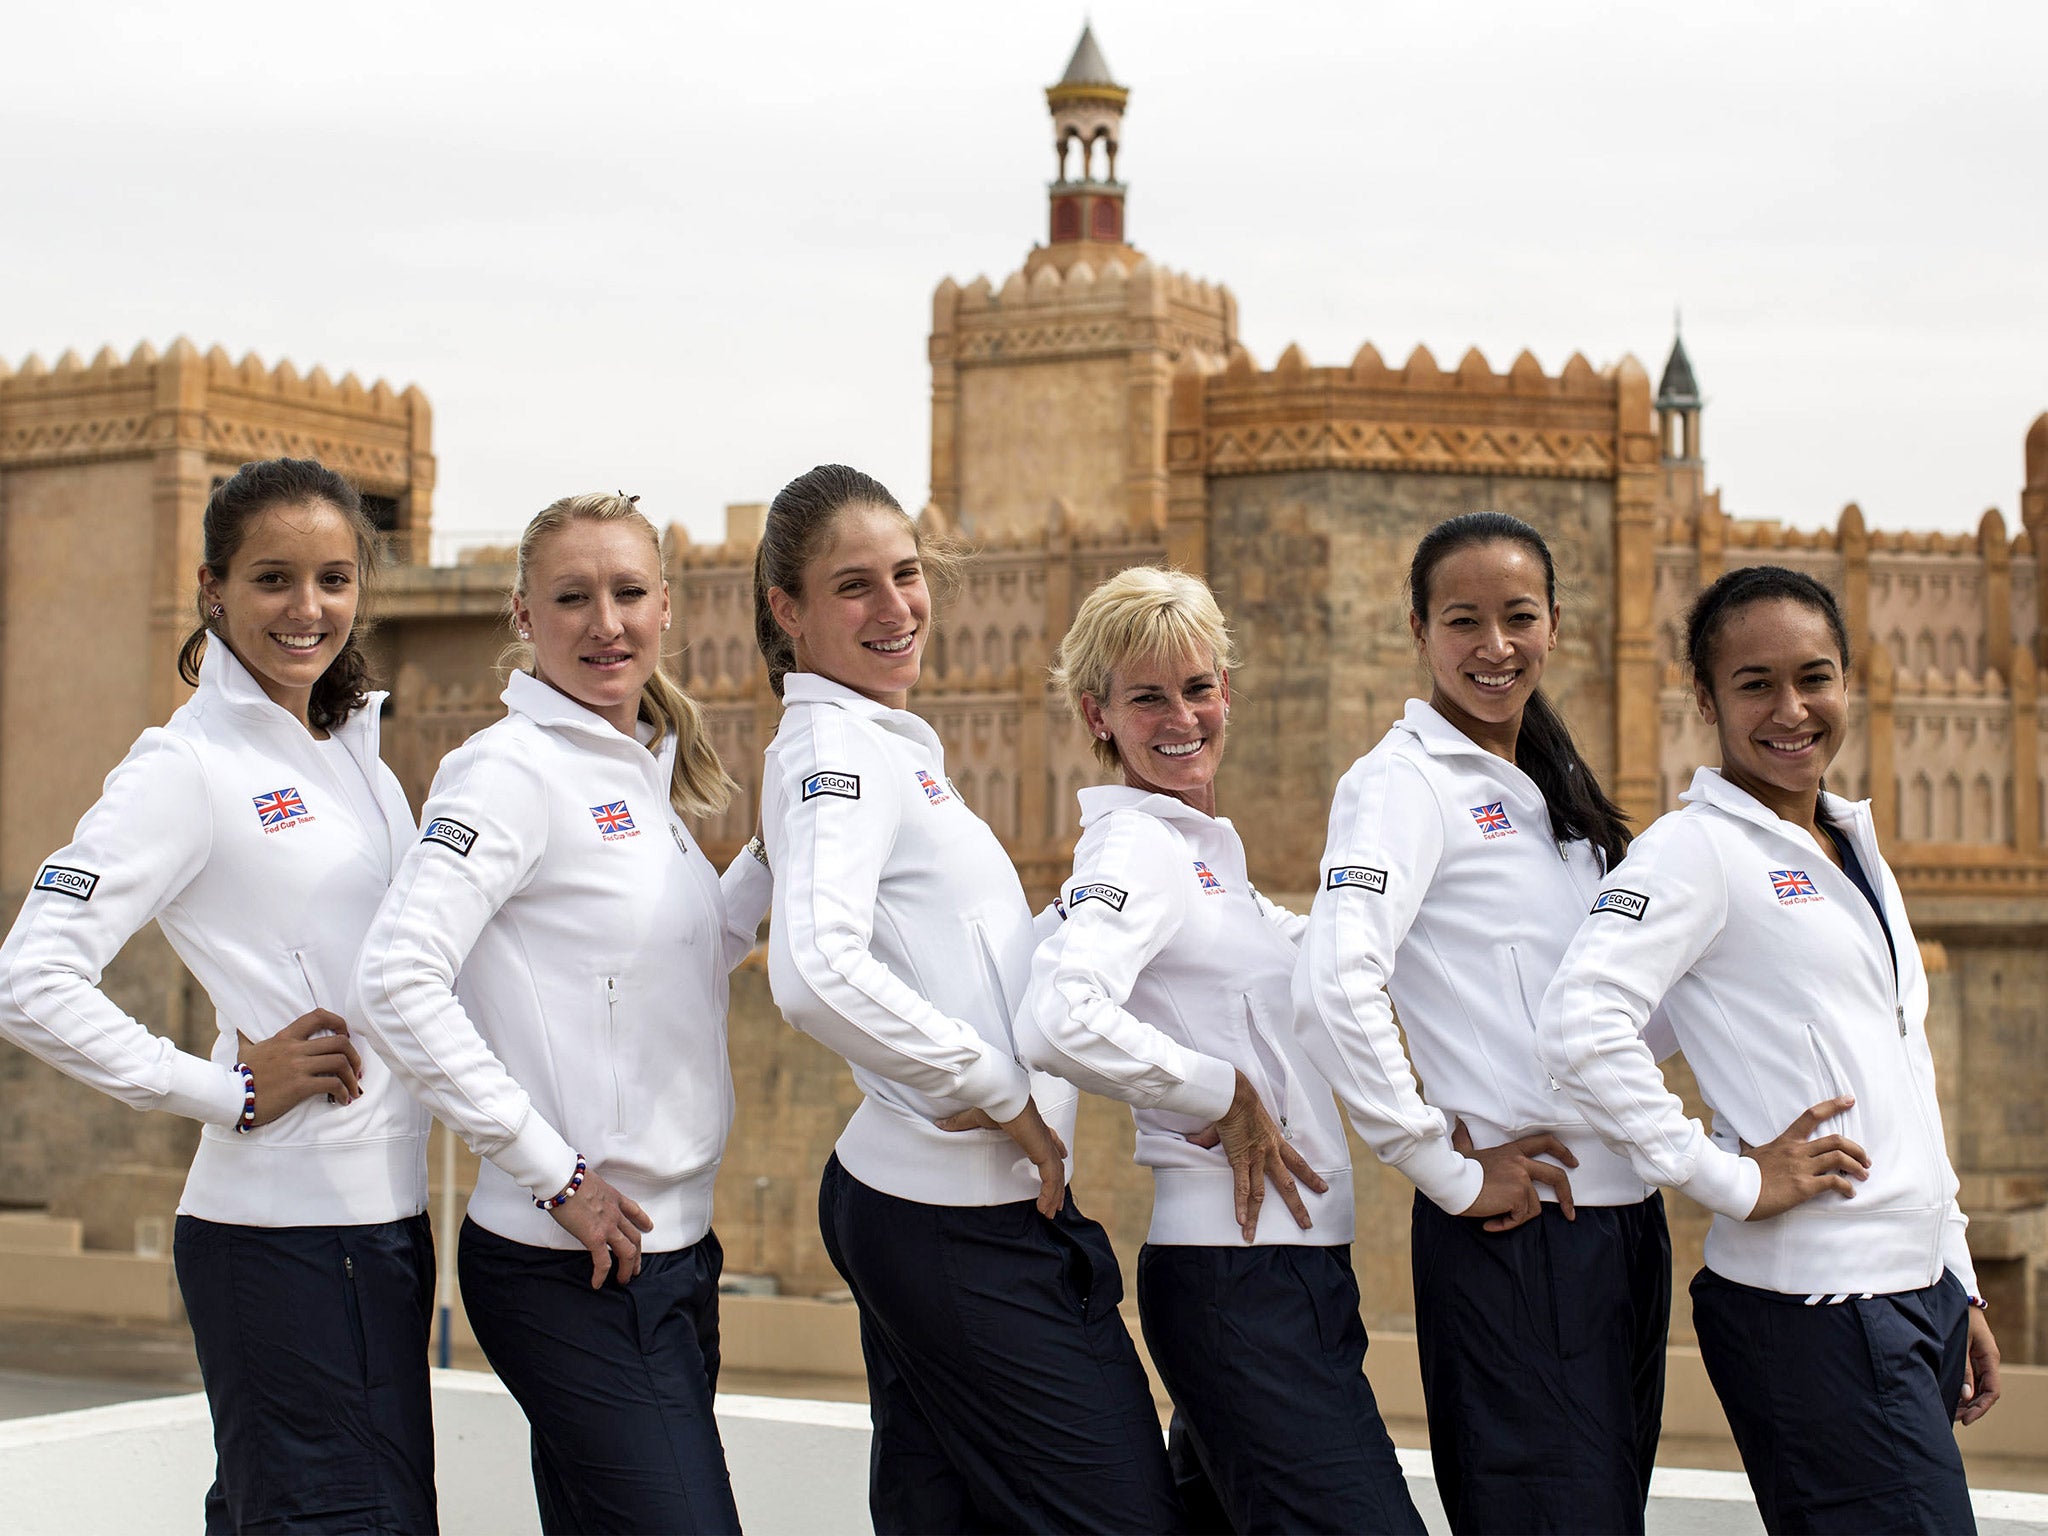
{"x":1272,"y":1066}
{"x":1522,"y":995}
{"x":611,"y":1012}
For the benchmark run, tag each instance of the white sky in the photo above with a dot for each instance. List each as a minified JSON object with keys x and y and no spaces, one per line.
{"x":689,"y":250}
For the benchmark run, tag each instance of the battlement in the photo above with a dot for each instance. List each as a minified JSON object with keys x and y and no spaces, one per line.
{"x":108,"y":370}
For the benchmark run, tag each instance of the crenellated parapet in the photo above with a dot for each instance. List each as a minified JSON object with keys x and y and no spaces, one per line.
{"x":1418,"y":417}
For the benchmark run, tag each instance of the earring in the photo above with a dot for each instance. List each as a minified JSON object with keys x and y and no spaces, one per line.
{"x":664,"y":626}
{"x":526,"y":634}
{"x":215,"y":611}
{"x":1103,"y":734}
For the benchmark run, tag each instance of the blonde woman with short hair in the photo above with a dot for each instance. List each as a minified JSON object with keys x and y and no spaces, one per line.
{"x":549,"y":974}
{"x":1168,"y":986}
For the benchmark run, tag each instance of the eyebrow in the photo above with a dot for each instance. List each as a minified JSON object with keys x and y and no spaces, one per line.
{"x":1531,"y":601}
{"x":281,"y":560}
{"x":1804,"y":666}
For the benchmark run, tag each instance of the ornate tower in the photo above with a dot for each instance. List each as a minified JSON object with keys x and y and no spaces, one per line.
{"x":1087,"y":110}
{"x":1053,"y":386}
{"x":1678,"y":429}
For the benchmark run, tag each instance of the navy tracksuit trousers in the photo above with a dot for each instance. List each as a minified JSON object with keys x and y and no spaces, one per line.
{"x":1263,"y":1351}
{"x":616,"y":1383}
{"x":312,"y":1342}
{"x":1542,"y":1354}
{"x":1005,"y":1391}
{"x":1842,"y":1412}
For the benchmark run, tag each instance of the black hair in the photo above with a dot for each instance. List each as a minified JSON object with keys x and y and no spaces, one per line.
{"x":238,"y":501}
{"x":800,"y":520}
{"x":1544,"y":749}
{"x":1738,"y":589}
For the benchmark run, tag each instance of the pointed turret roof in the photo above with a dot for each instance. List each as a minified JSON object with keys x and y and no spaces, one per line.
{"x":1087,"y":66}
{"x":1677,"y":390}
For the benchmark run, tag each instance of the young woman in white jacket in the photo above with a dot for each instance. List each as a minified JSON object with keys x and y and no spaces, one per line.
{"x":1005,"y":1391}
{"x":549,"y":973}
{"x":1168,"y":986}
{"x":258,"y":829}
{"x":1835,"y":1310}
{"x":1460,"y":850}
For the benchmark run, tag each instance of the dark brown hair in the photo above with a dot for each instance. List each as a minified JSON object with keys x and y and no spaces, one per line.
{"x":1544,"y":749}
{"x":1736,"y":590}
{"x":237,"y":502}
{"x":800,"y":522}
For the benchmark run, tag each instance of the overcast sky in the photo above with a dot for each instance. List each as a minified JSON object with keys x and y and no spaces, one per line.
{"x":689,"y":251}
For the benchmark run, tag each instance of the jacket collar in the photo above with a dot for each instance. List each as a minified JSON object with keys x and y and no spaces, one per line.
{"x":1101,"y":800}
{"x":1710,"y":787}
{"x":1438,"y":736}
{"x":222,"y":674}
{"x":812,"y":688}
{"x":544,"y":704}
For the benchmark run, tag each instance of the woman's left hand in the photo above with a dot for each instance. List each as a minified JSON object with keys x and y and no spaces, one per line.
{"x":1258,"y":1152}
{"x":1980,"y":1371}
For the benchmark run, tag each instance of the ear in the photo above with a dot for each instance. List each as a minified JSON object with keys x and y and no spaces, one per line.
{"x":1091,"y":716}
{"x":1556,"y":620}
{"x":1415,"y":627}
{"x":784,"y":609}
{"x":209,"y":585}
{"x":1703,"y":699}
{"x":1223,"y":674}
{"x":522,"y":616}
{"x":667,"y":612}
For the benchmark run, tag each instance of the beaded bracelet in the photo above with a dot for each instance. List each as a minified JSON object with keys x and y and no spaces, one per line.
{"x":575,"y":1183}
{"x":247,"y":1121}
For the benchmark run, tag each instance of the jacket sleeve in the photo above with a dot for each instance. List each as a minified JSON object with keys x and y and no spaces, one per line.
{"x":1658,"y":912}
{"x":133,"y":853}
{"x":1386,"y":839}
{"x":830,"y":849}
{"x":1126,"y":900}
{"x":484,"y":830}
{"x":746,"y":888}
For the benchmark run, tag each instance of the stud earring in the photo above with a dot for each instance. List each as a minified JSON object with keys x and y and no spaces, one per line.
{"x":215,"y":611}
{"x":1103,"y":734}
{"x":526,"y":634}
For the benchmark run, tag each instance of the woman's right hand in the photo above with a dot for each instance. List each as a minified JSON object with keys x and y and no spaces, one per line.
{"x":1040,"y":1142}
{"x":608,"y":1224}
{"x":311,"y":1055}
{"x":1258,"y":1152}
{"x":1513,"y":1171}
{"x":1796,"y":1168}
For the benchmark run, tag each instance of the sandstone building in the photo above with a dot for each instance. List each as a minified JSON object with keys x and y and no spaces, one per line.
{"x":1093,"y":409}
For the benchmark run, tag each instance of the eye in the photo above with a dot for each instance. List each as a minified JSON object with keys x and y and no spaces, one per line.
{"x":338,"y":579}
{"x":1462,"y":621}
{"x":1522,"y":618}
{"x":270,"y":579}
{"x":852,"y":588}
{"x":631,"y":594}
{"x":569,"y":597}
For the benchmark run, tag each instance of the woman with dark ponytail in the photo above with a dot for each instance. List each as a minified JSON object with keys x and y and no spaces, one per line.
{"x":1006,"y":1392}
{"x":1462,"y":851}
{"x":259,"y":828}
{"x":1838,"y":1312}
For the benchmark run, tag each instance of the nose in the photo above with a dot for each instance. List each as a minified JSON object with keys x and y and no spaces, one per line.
{"x":892,"y":609}
{"x":305,"y":601}
{"x":1493,"y":644}
{"x":1181,"y":715}
{"x":1787,"y":707}
{"x":604,"y":616}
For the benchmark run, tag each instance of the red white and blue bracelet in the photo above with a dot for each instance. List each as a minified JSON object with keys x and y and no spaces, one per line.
{"x":575,"y":1183}
{"x":247,"y":1119}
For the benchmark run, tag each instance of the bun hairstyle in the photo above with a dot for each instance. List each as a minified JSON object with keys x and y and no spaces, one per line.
{"x":698,"y":784}
{"x":238,"y":501}
{"x":799,"y":525}
{"x":1738,"y":589}
{"x":1579,"y":807}
{"x":1137,"y":614}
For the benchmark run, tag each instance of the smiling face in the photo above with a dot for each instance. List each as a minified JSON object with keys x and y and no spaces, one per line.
{"x":1489,"y":630}
{"x":595,"y":605}
{"x":865,"y":613}
{"x":1776,"y":695}
{"x":1166,"y":716}
{"x":288,"y":597}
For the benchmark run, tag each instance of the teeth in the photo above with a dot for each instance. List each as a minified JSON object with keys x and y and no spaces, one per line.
{"x":891,"y":647}
{"x":1181,"y":749}
{"x":298,"y":642}
{"x":1494,"y":679}
{"x":1792,"y":746}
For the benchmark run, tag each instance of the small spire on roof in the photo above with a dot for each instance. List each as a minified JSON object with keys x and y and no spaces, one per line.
{"x":1087,"y":66}
{"x":1678,"y":390}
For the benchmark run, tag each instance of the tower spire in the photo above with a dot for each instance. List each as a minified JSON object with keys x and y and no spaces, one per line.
{"x":1087,"y":107}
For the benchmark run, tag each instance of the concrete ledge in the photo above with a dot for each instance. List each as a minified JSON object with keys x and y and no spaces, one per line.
{"x":119,"y":1286}
{"x":35,"y":1232}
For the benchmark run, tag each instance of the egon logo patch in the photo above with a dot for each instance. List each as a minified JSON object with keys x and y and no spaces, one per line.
{"x":79,"y":883}
{"x":1358,"y":875}
{"x":844,"y":785}
{"x":450,"y":833}
{"x":1628,"y":903}
{"x":1108,"y":895}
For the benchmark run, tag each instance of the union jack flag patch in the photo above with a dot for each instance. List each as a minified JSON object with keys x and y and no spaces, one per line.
{"x":279,"y":807}
{"x":1211,"y":886}
{"x":613,"y":819}
{"x":1792,"y":886}
{"x":932,"y":790}
{"x":1492,"y":820}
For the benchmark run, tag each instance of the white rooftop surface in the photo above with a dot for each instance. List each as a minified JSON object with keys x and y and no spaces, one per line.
{"x":799,"y":1467}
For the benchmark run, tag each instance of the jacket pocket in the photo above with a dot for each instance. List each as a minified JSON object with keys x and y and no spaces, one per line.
{"x":614,"y":1049}
{"x":1530,"y":1008}
{"x":1831,"y":1082}
{"x":991,"y":973}
{"x":1272,"y":1065}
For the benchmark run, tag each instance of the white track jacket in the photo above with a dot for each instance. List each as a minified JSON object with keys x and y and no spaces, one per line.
{"x":549,"y":970}
{"x":1444,"y":893}
{"x":1170,"y":976}
{"x":228,"y":827}
{"x":1776,"y":977}
{"x":901,"y":940}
